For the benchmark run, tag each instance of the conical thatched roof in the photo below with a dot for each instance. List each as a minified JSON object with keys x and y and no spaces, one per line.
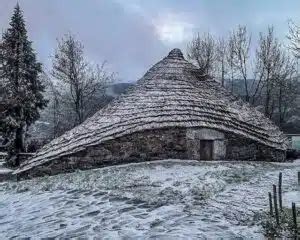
{"x":171,"y":94}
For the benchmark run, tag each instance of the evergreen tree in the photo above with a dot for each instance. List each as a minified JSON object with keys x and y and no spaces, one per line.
{"x":20,"y":76}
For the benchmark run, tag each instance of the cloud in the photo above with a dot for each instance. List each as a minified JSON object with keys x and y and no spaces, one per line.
{"x":171,"y":29}
{"x":125,"y":40}
{"x":170,"y":26}
{"x":134,"y":34}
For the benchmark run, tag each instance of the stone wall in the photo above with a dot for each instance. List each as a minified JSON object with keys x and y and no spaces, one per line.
{"x":243,"y":149}
{"x":138,"y":147}
{"x":173,"y":143}
{"x":269,"y":154}
{"x":239,"y":148}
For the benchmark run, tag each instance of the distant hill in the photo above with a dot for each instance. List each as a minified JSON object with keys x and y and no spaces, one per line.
{"x":117,"y":89}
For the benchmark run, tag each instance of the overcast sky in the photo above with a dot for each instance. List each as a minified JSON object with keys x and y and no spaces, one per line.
{"x":134,"y":34}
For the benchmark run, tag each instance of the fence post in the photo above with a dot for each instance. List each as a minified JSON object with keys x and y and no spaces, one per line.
{"x":275,"y":204}
{"x":294,"y":216}
{"x":270,"y":204}
{"x":280,"y":191}
{"x":298,"y":178}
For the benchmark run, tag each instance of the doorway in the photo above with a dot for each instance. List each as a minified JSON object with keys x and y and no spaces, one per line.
{"x":206,"y":149}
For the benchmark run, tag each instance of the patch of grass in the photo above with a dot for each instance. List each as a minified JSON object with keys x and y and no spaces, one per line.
{"x":285,"y":229}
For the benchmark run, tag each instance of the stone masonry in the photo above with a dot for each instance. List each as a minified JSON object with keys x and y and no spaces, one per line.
{"x":170,"y":143}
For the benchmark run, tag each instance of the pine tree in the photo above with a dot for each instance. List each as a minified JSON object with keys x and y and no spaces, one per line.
{"x":20,"y":75}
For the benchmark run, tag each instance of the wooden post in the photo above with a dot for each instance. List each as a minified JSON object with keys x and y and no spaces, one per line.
{"x":270,"y":204}
{"x":275,"y":204}
{"x":294,"y":216}
{"x":280,"y":191}
{"x":298,"y":178}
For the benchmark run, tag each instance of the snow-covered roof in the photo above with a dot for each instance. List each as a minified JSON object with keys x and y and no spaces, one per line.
{"x":171,"y":94}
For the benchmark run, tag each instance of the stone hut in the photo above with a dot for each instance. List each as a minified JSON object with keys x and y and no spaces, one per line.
{"x":172,"y":112}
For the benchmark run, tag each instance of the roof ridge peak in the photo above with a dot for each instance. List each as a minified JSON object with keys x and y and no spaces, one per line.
{"x":176,"y":53}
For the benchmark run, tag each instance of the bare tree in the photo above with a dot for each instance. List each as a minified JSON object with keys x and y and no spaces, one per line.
{"x":203,"y":51}
{"x":271,"y":60}
{"x":274,"y":77}
{"x":53,"y":111}
{"x":286,"y":87}
{"x":230,"y":58}
{"x":294,"y":37}
{"x":69,"y":67}
{"x":240,"y":44}
{"x":267,"y":78}
{"x":78,"y":81}
{"x":222,"y":52}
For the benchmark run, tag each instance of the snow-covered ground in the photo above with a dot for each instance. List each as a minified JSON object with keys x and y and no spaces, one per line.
{"x":171,"y":199}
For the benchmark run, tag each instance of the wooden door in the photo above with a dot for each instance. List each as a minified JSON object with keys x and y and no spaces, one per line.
{"x":206,"y":149}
